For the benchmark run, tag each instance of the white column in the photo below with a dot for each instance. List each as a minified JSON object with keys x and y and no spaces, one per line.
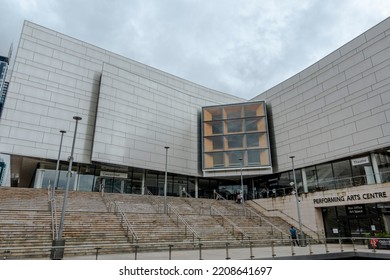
{"x":196,"y":187}
{"x":304,"y":181}
{"x":376,"y":169}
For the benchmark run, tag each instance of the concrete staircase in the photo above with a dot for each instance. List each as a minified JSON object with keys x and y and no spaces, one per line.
{"x":91,"y":222}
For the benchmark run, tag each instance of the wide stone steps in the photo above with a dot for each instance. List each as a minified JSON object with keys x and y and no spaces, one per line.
{"x":91,"y":222}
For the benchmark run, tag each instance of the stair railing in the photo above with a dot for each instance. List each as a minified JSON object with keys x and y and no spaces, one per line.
{"x":125,"y":222}
{"x":218,"y":196}
{"x":253,"y":215}
{"x":187,"y":227}
{"x":186,"y":193}
{"x":155,"y":200}
{"x":53,"y":211}
{"x":233,"y":227}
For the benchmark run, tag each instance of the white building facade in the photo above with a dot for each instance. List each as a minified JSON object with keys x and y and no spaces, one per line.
{"x":333,"y":117}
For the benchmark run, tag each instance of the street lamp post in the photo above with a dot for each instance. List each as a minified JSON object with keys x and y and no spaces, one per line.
{"x":61,"y":227}
{"x":166,"y":180}
{"x":297,"y":202}
{"x":57,"y":174}
{"x":242,"y":185}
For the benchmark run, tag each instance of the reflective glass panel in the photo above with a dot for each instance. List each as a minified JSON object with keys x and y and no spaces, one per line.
{"x":234,"y":126}
{"x":253,"y":157}
{"x":252,"y":140}
{"x":234,"y":141}
{"x":251,"y":125}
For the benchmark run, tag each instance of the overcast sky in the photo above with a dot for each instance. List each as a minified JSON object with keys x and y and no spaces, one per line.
{"x":241,"y":47}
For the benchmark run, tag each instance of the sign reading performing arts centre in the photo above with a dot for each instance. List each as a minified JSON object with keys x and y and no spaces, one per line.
{"x":351,"y":197}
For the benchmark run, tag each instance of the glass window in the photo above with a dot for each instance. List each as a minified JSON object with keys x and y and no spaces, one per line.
{"x":218,"y":159}
{"x":234,"y":141}
{"x":252,"y":140}
{"x":325,"y":176}
{"x":86,"y":182}
{"x":363,"y":174}
{"x":251,"y":125}
{"x":217,"y":127}
{"x":311,"y":178}
{"x":217,"y":143}
{"x":383,"y":160}
{"x":342,"y":173}
{"x":250,"y":111}
{"x":234,"y":126}
{"x":233,"y":112}
{"x":234,"y":158}
{"x":253,"y":157}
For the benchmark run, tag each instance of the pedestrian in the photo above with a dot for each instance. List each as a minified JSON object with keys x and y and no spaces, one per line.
{"x":293,"y":233}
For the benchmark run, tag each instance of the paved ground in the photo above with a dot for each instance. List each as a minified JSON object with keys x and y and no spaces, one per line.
{"x":308,"y":252}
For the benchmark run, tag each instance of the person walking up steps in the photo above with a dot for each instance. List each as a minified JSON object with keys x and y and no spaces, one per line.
{"x":293,"y":233}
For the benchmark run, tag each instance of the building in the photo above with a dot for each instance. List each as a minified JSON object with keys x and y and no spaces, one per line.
{"x":333,"y":117}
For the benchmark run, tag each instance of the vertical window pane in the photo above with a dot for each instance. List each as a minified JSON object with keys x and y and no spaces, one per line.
{"x":253,"y":157}
{"x":217,"y":127}
{"x":252,"y":140}
{"x":234,"y":126}
{"x":234,"y":158}
{"x":218,"y":159}
{"x":233,"y":112}
{"x":234,"y":141}
{"x":325,"y":176}
{"x":217,"y":143}
{"x":251,"y":125}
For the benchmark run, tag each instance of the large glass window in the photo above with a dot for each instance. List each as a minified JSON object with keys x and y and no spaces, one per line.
{"x":217,"y":127}
{"x":252,"y":140}
{"x":218,"y":159}
{"x":251,"y":125}
{"x":234,"y":141}
{"x":234,"y":126}
{"x":217,"y":142}
{"x":253,"y":157}
{"x":311,"y":178}
{"x":233,"y":112}
{"x":243,"y":128}
{"x":342,"y":173}
{"x":383,"y":161}
{"x":234,"y":158}
{"x":325,"y":176}
{"x":362,"y":171}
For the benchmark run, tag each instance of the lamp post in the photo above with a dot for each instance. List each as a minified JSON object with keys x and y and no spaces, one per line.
{"x":242,"y":185}
{"x":166,"y":180}
{"x":297,"y":202}
{"x":57,"y":174}
{"x":61,"y":227}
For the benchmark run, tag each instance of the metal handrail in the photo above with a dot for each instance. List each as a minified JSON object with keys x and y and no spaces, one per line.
{"x":249,"y":213}
{"x":128,"y":225}
{"x":186,"y":193}
{"x":218,"y":196}
{"x":53,"y":212}
{"x":306,"y":228}
{"x":180,"y":218}
{"x":233,"y":225}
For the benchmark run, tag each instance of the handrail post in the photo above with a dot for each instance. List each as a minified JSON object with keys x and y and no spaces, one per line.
{"x":251,"y":250}
{"x":200,"y":251}
{"x":273,"y":249}
{"x":341,"y":245}
{"x":308,"y":243}
{"x":227,"y":251}
{"x":170,"y":251}
{"x":135,"y":252}
{"x":326,"y":245}
{"x":353,"y":244}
